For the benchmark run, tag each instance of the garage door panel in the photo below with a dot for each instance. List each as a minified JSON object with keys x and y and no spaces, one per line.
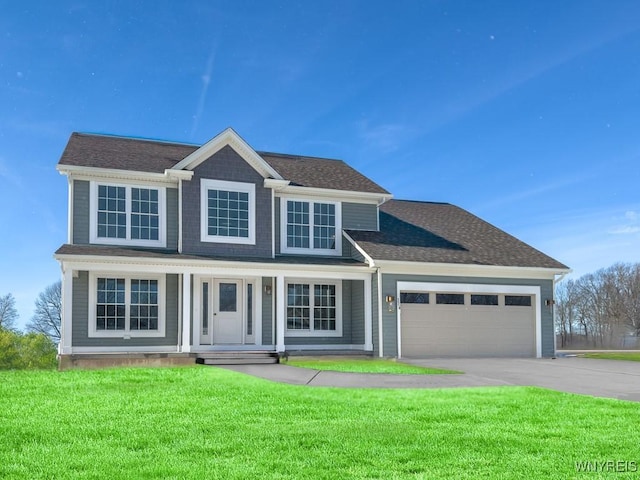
{"x":467,"y":330}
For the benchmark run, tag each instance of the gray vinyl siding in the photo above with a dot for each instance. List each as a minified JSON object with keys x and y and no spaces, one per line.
{"x":389,"y":319}
{"x":267,"y":312}
{"x":172,"y":218}
{"x":80,"y":325}
{"x":357,"y":312}
{"x":229,"y":166}
{"x":276,"y":213}
{"x":359,"y":216}
{"x":80,"y":212}
{"x":374,"y":314}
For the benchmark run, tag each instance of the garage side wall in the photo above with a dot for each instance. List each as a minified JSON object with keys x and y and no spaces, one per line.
{"x":390,"y":318}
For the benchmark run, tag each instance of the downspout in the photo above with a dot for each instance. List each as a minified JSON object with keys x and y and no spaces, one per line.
{"x":181,"y":279}
{"x":273,"y":223}
{"x":380,"y":337}
{"x":70,"y":211}
{"x":179,"y":215}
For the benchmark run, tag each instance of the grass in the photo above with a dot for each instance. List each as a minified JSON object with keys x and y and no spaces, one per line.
{"x":204,"y":422}
{"x":630,"y":356}
{"x":363,"y":365}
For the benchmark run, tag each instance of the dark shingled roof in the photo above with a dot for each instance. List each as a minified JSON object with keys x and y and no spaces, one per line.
{"x":122,"y":153}
{"x":443,"y":233}
{"x":320,"y":173}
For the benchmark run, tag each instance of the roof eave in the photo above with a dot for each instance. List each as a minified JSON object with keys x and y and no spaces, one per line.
{"x":333,"y":193}
{"x":470,"y":270}
{"x":82,"y":172}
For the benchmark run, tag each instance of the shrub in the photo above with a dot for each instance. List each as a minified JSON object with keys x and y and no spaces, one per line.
{"x":26,"y":351}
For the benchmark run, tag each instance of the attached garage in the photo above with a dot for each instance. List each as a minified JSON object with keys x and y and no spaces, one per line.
{"x":466,"y":320}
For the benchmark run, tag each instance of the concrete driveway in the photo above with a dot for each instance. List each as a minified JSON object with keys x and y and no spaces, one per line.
{"x":589,"y":376}
{"x":601,"y":378}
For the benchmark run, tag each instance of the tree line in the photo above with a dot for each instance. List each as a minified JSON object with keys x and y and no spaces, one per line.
{"x":37,"y":347}
{"x":600,"y":310}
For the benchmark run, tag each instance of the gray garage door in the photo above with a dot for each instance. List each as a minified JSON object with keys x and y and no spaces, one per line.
{"x":467,"y":325}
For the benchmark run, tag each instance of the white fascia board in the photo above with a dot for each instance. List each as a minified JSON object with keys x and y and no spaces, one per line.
{"x":336,"y":195}
{"x":366,"y":256}
{"x":210,"y":267}
{"x":462,"y":270}
{"x":179,"y":174}
{"x":276,"y":185}
{"x":127,"y":176}
{"x":231,"y":138}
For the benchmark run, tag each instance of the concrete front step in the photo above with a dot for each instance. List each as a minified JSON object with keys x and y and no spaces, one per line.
{"x":236,"y":358}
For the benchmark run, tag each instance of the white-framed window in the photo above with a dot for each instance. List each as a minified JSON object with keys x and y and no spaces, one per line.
{"x":126,"y":305}
{"x":310,"y":227}
{"x":314,"y":308}
{"x":124,"y":214}
{"x":227,"y":212}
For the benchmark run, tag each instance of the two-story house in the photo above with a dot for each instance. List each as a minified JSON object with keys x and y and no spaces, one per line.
{"x":176,"y":250}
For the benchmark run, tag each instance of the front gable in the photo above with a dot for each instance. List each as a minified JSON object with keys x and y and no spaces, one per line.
{"x":228,"y":138}
{"x":226,"y":208}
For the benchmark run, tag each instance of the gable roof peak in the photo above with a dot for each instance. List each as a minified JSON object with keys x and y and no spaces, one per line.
{"x":228,"y":137}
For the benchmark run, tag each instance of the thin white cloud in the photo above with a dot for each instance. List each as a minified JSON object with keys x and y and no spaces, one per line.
{"x":632,"y":215}
{"x":585,"y":240}
{"x":8,"y":175}
{"x":624,"y":230}
{"x":386,"y":137}
{"x":629,"y":224}
{"x":524,"y":73}
{"x":206,"y":82}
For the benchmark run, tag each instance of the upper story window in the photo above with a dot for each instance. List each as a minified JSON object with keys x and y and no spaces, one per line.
{"x":227,"y":212}
{"x":127,"y":215}
{"x":311,"y":227}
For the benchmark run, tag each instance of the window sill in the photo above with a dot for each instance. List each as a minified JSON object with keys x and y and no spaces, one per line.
{"x":321,"y":333}
{"x":125,"y":335}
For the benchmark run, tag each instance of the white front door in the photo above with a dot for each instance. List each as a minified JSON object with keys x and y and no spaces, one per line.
{"x":221,"y":310}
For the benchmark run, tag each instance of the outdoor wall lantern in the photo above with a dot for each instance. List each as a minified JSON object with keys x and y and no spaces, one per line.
{"x":390,"y":299}
{"x":267,"y":289}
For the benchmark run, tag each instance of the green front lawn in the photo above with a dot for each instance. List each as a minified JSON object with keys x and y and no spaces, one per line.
{"x":205,"y":422}
{"x":631,"y":356}
{"x":363,"y":365}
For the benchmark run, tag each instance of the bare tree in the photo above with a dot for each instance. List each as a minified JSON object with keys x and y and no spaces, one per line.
{"x":48,"y":314}
{"x":601,"y":308}
{"x":8,"y":312}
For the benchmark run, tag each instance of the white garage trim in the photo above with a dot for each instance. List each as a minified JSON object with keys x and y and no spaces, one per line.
{"x":471,"y":288}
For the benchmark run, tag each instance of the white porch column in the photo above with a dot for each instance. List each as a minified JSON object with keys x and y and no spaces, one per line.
{"x":65,"y":346}
{"x":186,"y":312}
{"x":280,"y":313}
{"x":368,"y":316}
{"x":257,"y":312}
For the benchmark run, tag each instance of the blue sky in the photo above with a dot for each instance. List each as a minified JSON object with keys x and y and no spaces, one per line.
{"x":526,"y":113}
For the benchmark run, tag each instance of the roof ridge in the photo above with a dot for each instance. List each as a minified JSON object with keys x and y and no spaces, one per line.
{"x":137,"y":139}
{"x":430,"y":202}
{"x":293,"y":156}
